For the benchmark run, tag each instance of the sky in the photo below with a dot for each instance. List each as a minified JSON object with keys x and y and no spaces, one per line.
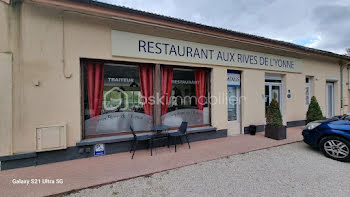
{"x":320,"y":24}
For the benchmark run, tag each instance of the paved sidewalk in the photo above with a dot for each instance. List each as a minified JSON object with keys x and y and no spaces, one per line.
{"x":286,"y":171}
{"x":84,"y":173}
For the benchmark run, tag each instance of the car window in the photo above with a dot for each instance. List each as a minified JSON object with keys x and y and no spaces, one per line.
{"x":346,"y":117}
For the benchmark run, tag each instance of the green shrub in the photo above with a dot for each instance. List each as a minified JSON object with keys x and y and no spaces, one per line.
{"x":314,"y":112}
{"x":273,"y":114}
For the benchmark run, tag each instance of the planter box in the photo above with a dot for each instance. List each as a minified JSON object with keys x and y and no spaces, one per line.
{"x":277,"y":133}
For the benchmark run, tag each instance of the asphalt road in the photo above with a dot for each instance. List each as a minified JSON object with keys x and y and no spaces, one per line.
{"x":289,"y":170}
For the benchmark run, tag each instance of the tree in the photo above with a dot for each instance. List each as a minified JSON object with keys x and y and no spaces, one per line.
{"x":314,"y":112}
{"x":273,"y":114}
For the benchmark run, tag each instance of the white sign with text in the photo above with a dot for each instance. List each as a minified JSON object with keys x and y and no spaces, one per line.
{"x":125,"y":44}
{"x":233,"y":79}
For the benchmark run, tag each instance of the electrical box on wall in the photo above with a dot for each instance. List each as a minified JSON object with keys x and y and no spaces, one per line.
{"x":51,"y":138}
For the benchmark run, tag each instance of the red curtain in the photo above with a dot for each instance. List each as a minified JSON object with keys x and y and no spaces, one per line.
{"x":146,"y":83}
{"x":166,"y":80}
{"x":95,"y":78}
{"x":199,"y":76}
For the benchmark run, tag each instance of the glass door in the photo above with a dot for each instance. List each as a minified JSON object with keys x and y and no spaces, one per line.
{"x":308,"y":98}
{"x":273,"y":91}
{"x":233,"y":104}
{"x":276,"y":93}
{"x":330,"y":99}
{"x":234,"y":126}
{"x":307,"y":93}
{"x":267,"y":96}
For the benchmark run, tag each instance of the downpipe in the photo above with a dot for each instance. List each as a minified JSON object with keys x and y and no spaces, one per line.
{"x":342,"y":66}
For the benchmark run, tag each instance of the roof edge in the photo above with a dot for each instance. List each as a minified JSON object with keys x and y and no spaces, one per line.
{"x":239,"y":35}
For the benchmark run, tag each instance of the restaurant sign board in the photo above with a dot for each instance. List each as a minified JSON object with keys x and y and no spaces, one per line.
{"x":125,"y":44}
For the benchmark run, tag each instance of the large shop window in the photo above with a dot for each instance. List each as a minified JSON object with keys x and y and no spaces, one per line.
{"x":118,"y":96}
{"x":185,"y":93}
{"x":113,"y":95}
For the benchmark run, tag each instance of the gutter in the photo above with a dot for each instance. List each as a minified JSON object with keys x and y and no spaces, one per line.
{"x":342,"y":66}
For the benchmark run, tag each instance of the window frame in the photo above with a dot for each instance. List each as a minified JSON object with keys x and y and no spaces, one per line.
{"x":208,"y":88}
{"x":83,"y":62}
{"x":238,"y":95}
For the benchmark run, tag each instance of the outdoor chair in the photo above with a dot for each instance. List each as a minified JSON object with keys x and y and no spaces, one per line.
{"x":182,"y":132}
{"x":136,"y":141}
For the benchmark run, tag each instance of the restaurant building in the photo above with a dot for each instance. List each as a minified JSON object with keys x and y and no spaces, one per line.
{"x":76,"y":73}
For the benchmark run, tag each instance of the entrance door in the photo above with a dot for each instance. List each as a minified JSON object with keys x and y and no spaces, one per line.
{"x":233,"y":102}
{"x":273,"y":91}
{"x":330,"y":100}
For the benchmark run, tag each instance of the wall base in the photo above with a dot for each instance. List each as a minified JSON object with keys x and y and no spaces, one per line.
{"x":85,"y":151}
{"x":296,"y":123}
{"x":261,"y":128}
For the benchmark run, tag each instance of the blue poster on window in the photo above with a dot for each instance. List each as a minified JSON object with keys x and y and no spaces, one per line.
{"x":99,"y":150}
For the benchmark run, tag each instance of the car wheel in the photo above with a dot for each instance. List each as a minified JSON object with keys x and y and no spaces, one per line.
{"x":336,"y":148}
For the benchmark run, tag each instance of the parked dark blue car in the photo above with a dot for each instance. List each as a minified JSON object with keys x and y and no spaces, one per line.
{"x":331,"y":136}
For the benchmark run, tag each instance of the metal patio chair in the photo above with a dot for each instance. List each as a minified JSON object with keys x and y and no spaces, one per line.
{"x":136,"y":141}
{"x":182,"y":132}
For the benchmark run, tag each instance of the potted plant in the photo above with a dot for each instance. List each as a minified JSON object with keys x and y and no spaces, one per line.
{"x":314,"y":111}
{"x":274,"y":127}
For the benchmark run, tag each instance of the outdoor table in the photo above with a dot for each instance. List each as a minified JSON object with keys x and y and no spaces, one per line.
{"x":159,"y":134}
{"x":160,"y":128}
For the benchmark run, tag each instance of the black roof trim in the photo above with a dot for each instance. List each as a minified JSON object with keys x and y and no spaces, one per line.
{"x":198,"y":25}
